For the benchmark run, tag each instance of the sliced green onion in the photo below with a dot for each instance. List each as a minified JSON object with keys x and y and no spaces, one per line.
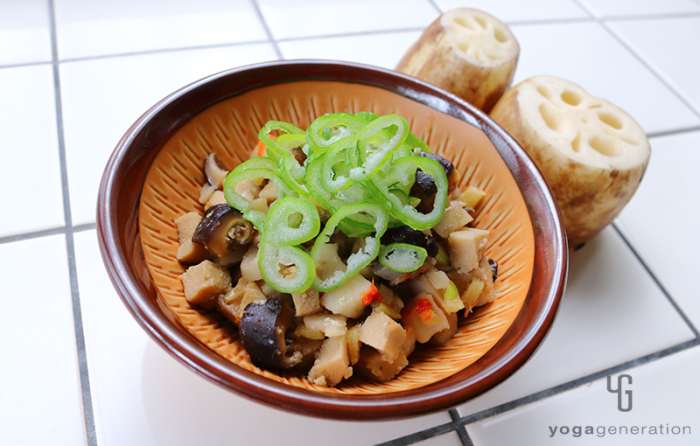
{"x":241,"y":203}
{"x":404,"y":171}
{"x":259,"y":162}
{"x":402,"y":257}
{"x":277,"y":225}
{"x":347,"y":125}
{"x":274,"y":150}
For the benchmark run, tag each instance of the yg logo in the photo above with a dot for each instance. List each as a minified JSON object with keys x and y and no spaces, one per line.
{"x":619,"y":392}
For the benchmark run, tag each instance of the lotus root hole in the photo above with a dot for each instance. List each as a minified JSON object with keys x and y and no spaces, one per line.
{"x":463,"y":45}
{"x":576,"y":143}
{"x":550,"y":116}
{"x":610,"y":120}
{"x":594,"y":106}
{"x":500,"y":35}
{"x":571,"y":98}
{"x":544,"y":91}
{"x":606,"y":146}
{"x":464,"y":23}
{"x":481,"y":21}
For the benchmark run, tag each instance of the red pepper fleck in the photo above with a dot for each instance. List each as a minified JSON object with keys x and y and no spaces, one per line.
{"x":371,"y":295}
{"x":424,"y":306}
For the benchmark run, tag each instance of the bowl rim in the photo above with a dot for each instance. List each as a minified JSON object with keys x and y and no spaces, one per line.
{"x":118,"y":237}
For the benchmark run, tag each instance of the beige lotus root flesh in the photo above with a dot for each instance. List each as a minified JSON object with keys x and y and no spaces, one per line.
{"x":592,"y":154}
{"x":466,"y":52}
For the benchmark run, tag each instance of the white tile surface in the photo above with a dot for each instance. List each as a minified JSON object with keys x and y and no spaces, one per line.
{"x":304,"y":18}
{"x":664,"y":395}
{"x":668,"y":190}
{"x":587,"y":54}
{"x":620,"y":8}
{"x":519,"y":11}
{"x":125,"y":26}
{"x":611,"y":313}
{"x":143,"y":396}
{"x":30,"y":173}
{"x":670,"y":47}
{"x":39,"y":389}
{"x":103,"y":97}
{"x":24,"y":32}
{"x":368,"y":49}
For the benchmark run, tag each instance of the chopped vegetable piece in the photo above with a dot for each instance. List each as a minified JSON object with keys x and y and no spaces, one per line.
{"x":358,"y":260}
{"x":471,"y":296}
{"x":401,"y":257}
{"x":472,"y":196}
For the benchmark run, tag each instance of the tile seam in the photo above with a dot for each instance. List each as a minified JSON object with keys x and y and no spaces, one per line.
{"x":266,"y":27}
{"x":577,"y":383}
{"x":460,"y":428}
{"x":88,"y":413}
{"x":639,"y":58}
{"x":163,"y":50}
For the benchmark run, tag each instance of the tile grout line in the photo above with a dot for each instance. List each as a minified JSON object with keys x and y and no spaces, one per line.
{"x":435,"y":5}
{"x":673,"y":132}
{"x":639,"y":58}
{"x":25,"y":64}
{"x":658,"y":283}
{"x":669,"y":15}
{"x":416,"y":437}
{"x":460,"y":428}
{"x":577,"y":383}
{"x":263,"y":22}
{"x":44,"y":233}
{"x":163,"y":50}
{"x":538,"y":396}
{"x":70,"y":242}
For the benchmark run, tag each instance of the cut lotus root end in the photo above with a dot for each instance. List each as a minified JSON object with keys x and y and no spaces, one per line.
{"x":592,"y":153}
{"x":466,"y":52}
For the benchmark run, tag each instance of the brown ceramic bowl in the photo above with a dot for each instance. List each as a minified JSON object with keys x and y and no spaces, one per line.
{"x":155,"y":174}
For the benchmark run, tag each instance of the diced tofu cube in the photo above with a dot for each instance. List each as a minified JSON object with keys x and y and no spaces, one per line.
{"x":269,"y":192}
{"x":472,"y":196}
{"x":329,"y":261}
{"x":249,"y":265}
{"x":483,"y":273}
{"x":204,"y":282}
{"x":189,"y":252}
{"x":467,"y":247}
{"x":216,"y":198}
{"x":347,"y":298}
{"x":424,"y":316}
{"x":329,"y":324}
{"x":455,"y":218}
{"x":259,"y":204}
{"x":438,"y":278}
{"x":332,"y":364}
{"x":383,"y":333}
{"x":374,"y":366}
{"x":307,"y":302}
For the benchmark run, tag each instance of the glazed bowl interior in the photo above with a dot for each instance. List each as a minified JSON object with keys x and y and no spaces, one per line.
{"x":156,"y":173}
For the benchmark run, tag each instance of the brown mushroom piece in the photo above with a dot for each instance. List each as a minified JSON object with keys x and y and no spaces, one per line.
{"x":263,"y":328}
{"x":222,"y":228}
{"x":215,"y":172}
